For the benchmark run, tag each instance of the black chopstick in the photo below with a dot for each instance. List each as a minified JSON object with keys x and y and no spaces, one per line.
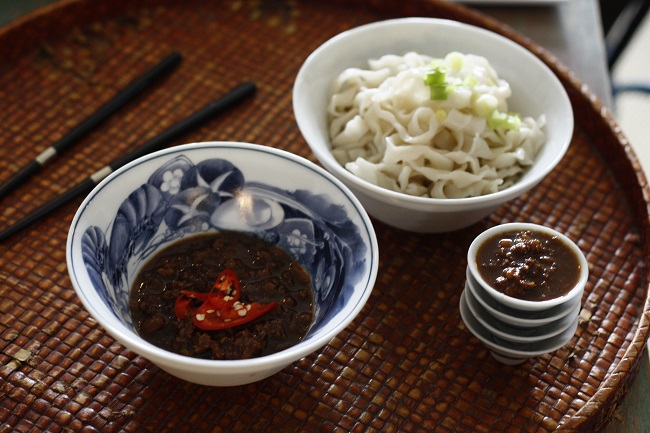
{"x":228,"y":100}
{"x":135,"y":88}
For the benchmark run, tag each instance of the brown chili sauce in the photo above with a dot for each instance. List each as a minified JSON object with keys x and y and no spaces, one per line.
{"x":267,"y":274}
{"x":528,"y":265}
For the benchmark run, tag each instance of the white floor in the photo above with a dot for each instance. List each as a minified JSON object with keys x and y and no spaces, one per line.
{"x":633,"y":109}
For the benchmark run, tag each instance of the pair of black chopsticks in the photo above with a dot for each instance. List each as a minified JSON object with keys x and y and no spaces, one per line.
{"x":136,"y":87}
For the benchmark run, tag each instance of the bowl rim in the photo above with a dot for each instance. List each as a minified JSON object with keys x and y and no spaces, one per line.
{"x":158,"y":355}
{"x":483,"y":334}
{"x":555,"y":313}
{"x":326,"y":158}
{"x":487,"y":320}
{"x":522,"y":304}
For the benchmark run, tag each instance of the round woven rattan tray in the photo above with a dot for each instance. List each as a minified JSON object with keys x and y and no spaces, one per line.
{"x":407,"y":363}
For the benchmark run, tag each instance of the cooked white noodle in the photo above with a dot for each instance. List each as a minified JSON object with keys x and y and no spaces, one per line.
{"x":386,"y":129}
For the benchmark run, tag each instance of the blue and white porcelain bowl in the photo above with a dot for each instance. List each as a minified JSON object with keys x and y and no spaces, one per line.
{"x":218,"y":186}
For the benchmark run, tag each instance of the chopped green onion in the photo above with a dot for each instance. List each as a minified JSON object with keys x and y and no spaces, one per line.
{"x":436,"y":79}
{"x":439,"y":92}
{"x":504,"y":120}
{"x":455,"y":60}
{"x":435,"y":76}
{"x":471,"y":81}
{"x":485,"y":105}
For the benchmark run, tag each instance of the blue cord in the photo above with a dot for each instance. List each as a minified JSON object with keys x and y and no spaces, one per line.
{"x":624,"y":88}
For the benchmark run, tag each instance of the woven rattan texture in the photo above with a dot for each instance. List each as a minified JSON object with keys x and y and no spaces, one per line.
{"x":406,"y":363}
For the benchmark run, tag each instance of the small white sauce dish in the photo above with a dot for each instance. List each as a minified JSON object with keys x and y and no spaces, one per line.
{"x":515,"y":317}
{"x":517,"y":329}
{"x":519,"y":334}
{"x":507,"y":352}
{"x":522,"y":304}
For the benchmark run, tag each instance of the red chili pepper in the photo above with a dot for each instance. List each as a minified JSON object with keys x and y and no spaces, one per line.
{"x":183,"y":301}
{"x":226,"y":290}
{"x":210,"y":319}
{"x":221,"y":308}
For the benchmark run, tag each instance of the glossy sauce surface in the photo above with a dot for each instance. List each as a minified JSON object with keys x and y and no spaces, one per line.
{"x":529,"y":265}
{"x":267,"y":274}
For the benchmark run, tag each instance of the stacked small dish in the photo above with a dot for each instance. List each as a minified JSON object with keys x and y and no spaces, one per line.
{"x":513,"y":299}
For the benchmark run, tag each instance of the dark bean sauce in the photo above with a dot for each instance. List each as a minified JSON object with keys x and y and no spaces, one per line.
{"x":267,"y":274}
{"x":528,"y":265}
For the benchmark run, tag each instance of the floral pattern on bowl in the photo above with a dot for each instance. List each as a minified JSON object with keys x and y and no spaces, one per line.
{"x":183,"y":198}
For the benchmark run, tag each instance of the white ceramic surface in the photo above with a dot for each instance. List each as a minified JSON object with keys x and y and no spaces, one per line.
{"x":521,"y":304}
{"x":520,"y":318}
{"x":509,"y":352}
{"x":189,"y":189}
{"x":518,"y":334}
{"x":536,"y":91}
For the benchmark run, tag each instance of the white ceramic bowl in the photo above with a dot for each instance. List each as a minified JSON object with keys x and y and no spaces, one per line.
{"x":222,"y":186}
{"x":518,"y":334}
{"x":535,"y":91}
{"x":521,"y":304}
{"x":520,"y":318}
{"x":508,"y":352}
